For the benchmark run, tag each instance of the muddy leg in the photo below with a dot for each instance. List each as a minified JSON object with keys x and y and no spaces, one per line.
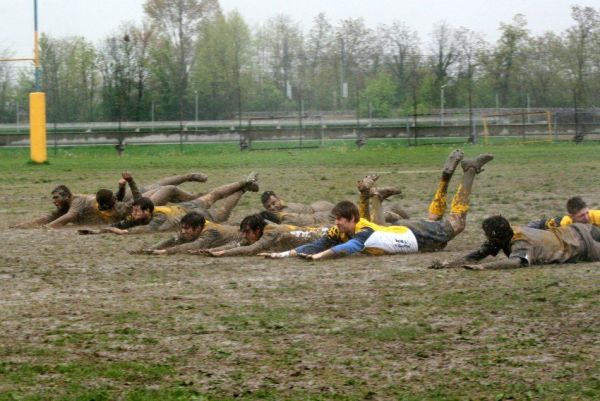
{"x":223,"y":212}
{"x":180,"y":179}
{"x":460,"y":202}
{"x":169,"y":193}
{"x":364,"y":186}
{"x":437,"y":207}
{"x":377,"y":216}
{"x":225,"y":190}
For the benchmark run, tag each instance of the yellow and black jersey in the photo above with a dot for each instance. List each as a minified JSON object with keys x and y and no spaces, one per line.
{"x":561,"y":221}
{"x":367,"y":237}
{"x":164,"y":218}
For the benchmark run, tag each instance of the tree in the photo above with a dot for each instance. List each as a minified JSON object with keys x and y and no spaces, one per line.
{"x":322,"y":86}
{"x":7,"y":93}
{"x":178,"y":23}
{"x":355,"y":54}
{"x":117,"y":66}
{"x":224,"y":51}
{"x":506,"y":59}
{"x":379,"y":96}
{"x":281,"y":47}
{"x":400,"y":46}
{"x":469,"y":48}
{"x":69,"y":78}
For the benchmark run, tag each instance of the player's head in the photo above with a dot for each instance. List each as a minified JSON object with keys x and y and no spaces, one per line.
{"x":142,"y":210}
{"x":346,"y":216}
{"x":191,"y":226}
{"x":578,"y":210}
{"x":105,"y":199}
{"x":252,"y":227}
{"x":271,"y":202}
{"x":497,"y":230}
{"x":61,"y":197}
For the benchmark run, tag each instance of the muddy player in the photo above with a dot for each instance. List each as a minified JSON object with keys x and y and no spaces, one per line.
{"x":297,"y":214}
{"x":195,"y":232}
{"x":145,"y":217}
{"x":102,"y":208}
{"x":262,"y":234}
{"x":353,"y":234}
{"x":274,"y":204}
{"x":525,"y":246}
{"x":164,"y":190}
{"x":577,"y":212}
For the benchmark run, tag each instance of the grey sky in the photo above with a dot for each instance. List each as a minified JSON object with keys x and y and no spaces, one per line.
{"x":94,"y":19}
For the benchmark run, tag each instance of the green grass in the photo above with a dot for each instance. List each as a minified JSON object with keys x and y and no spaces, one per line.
{"x":85,"y":320}
{"x":336,"y":154}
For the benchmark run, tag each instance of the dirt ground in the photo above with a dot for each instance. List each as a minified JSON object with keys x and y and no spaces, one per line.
{"x":79,"y":314}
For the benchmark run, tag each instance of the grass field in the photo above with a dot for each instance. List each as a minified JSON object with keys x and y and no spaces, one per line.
{"x":82,"y":319}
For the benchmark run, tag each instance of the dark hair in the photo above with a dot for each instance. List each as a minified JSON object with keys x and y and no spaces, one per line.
{"x":105,"y":199}
{"x":498,"y":228}
{"x":252,"y":223}
{"x":144,"y":204}
{"x":347,"y":210}
{"x":272,"y":217}
{"x":193,"y":219}
{"x":265,"y":196}
{"x":62,"y":190}
{"x":575,"y":204}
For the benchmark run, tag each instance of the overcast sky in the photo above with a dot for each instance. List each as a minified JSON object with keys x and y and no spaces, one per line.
{"x":94,"y":19}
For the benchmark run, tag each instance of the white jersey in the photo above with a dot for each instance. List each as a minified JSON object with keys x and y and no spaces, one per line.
{"x":392,"y":242}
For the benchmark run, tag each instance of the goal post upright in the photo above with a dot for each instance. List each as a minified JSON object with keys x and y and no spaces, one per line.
{"x":37,"y":104}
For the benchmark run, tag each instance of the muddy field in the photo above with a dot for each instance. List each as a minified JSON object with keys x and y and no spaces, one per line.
{"x":83,"y":319}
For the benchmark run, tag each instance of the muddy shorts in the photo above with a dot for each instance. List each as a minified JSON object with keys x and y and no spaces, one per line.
{"x":431,"y":235}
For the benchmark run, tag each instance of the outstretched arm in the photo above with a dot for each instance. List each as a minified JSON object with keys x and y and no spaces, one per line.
{"x":38,"y":222}
{"x":120,"y":195}
{"x":486,"y":249}
{"x":262,"y":244}
{"x":205,"y":241}
{"x":135,"y":192}
{"x":63,"y":220}
{"x":510,"y":263}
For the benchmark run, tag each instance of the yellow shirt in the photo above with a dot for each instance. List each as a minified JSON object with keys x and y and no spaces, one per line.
{"x":594,"y":219}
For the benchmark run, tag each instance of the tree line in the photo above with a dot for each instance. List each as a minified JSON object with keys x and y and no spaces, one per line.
{"x":189,"y":60}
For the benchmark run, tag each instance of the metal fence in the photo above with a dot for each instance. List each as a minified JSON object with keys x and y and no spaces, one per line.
{"x":310,"y":130}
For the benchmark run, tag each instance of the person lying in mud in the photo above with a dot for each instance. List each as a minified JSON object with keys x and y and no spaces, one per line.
{"x":146,"y":217}
{"x":105,"y":207}
{"x":297,"y":214}
{"x":102,"y":208}
{"x":526,"y":246}
{"x":164,"y":190}
{"x":352,"y":234}
{"x":577,"y":212}
{"x":274,"y":204}
{"x":261,"y":233}
{"x":195,"y":232}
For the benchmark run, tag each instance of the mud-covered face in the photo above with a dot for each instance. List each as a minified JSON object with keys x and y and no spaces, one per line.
{"x":106,"y":204}
{"x":344,"y":225}
{"x":273,"y":204}
{"x":189,"y":233}
{"x":61,"y":201}
{"x":582,"y":216}
{"x":139,"y":215}
{"x":252,"y":235}
{"x":499,"y":238}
